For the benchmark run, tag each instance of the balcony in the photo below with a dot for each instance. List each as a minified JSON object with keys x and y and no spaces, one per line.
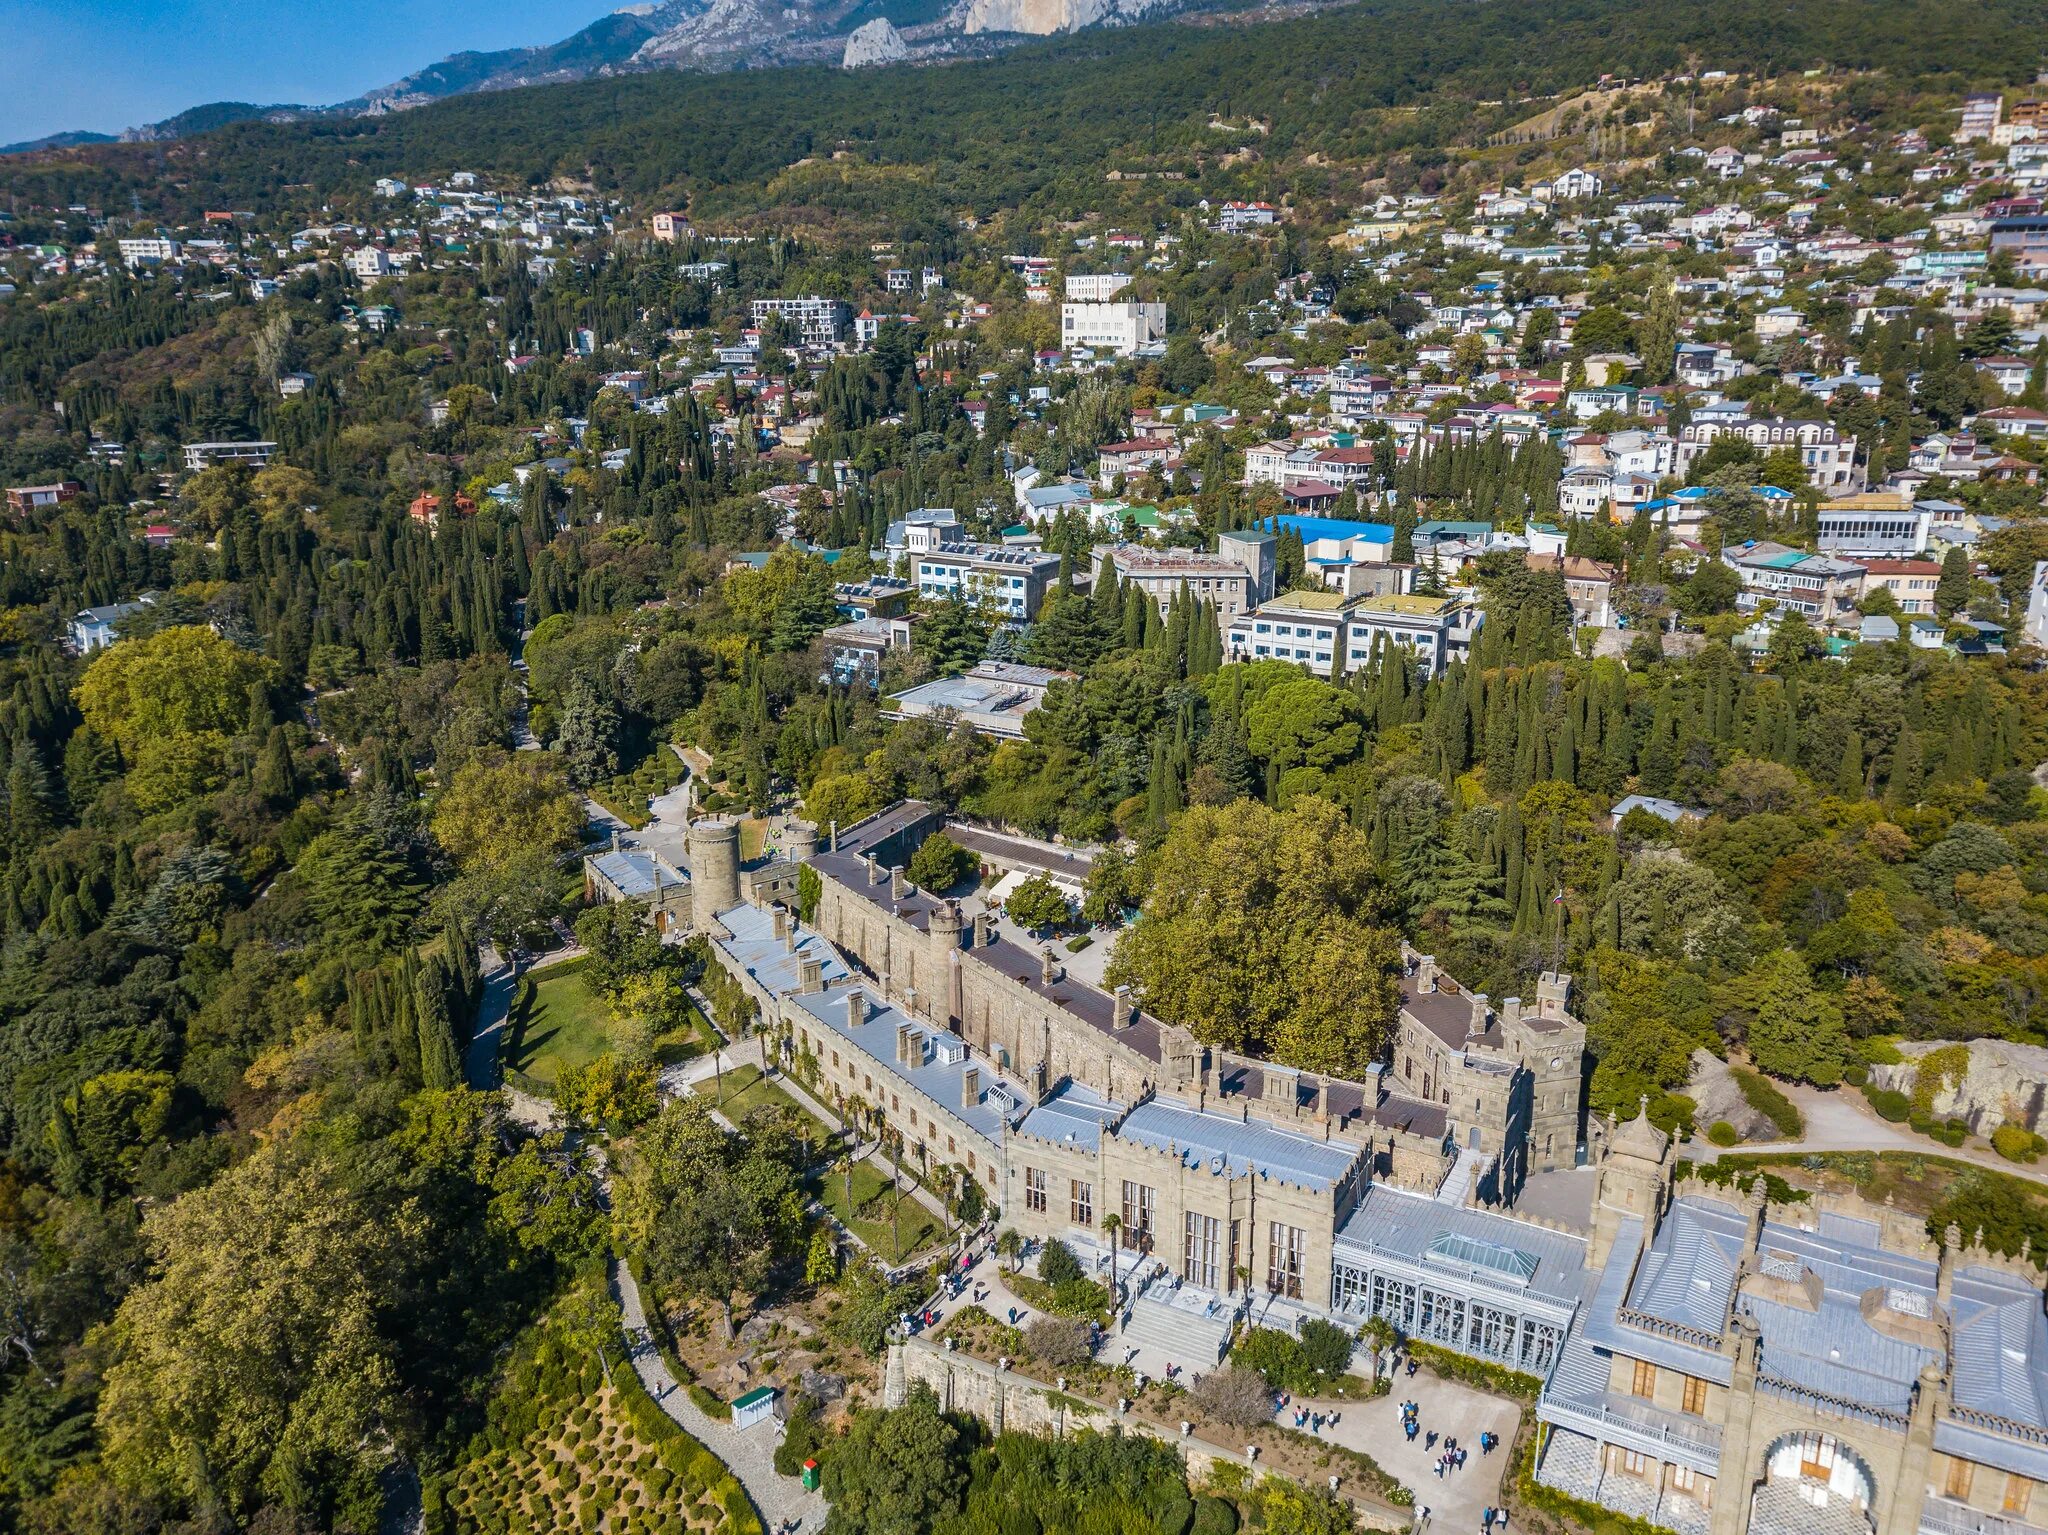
{"x":1944,"y":1516}
{"x":1695,"y":1443}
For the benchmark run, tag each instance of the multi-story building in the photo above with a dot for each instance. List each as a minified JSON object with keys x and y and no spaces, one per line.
{"x":1124,"y":328}
{"x":1882,"y":524}
{"x":1096,"y":287}
{"x":148,"y":250}
{"x":1588,"y":584}
{"x":1911,"y":582}
{"x":1816,"y":585}
{"x":669,"y":227}
{"x":818,"y":322}
{"x":1239,"y":574}
{"x":368,"y":263}
{"x":1828,"y":457}
{"x":203,"y":455}
{"x":1321,"y":629}
{"x":1217,"y":1184}
{"x":1819,"y":1367}
{"x":1011,"y":581}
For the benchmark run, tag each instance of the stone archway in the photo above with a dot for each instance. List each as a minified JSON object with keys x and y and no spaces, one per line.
{"x":1814,"y":1484}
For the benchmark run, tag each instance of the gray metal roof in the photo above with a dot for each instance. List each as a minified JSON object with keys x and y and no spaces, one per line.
{"x":1689,"y":1272}
{"x":635,"y":871}
{"x":1072,"y":1116}
{"x":1599,"y":1320}
{"x":776,"y":964}
{"x":927,"y":1071}
{"x":1226,"y":1144}
{"x":1549,"y":1265}
{"x":1833,"y":1349}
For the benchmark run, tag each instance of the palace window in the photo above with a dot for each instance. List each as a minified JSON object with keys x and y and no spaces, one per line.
{"x":1034,"y":1189}
{"x":1285,"y":1253}
{"x":1695,"y":1395}
{"x":2019,"y":1492}
{"x":1202,"y":1250}
{"x":1957,"y":1485}
{"x":1645,"y":1382}
{"x":1081,"y":1202}
{"x":1137,"y":1214}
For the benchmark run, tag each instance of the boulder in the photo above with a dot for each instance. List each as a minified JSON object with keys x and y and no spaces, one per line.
{"x":1717,"y":1096}
{"x":2004,"y":1081}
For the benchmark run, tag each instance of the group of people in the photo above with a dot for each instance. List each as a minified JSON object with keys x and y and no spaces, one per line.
{"x":1314,"y":1422}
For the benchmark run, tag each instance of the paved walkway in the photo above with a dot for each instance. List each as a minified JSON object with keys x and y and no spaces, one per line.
{"x":749,"y":1453}
{"x":483,"y":1061}
{"x":1444,"y":1407}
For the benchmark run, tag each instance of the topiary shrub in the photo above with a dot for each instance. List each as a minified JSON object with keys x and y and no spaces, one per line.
{"x":1891,"y":1105}
{"x":1721,"y":1133}
{"x":2016,"y":1143}
{"x":1213,"y":1516}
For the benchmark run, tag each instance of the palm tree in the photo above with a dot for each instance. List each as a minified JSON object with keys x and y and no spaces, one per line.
{"x":895,"y":1139}
{"x":846,"y":1172}
{"x":1111,"y":1225}
{"x":1009,"y":1247}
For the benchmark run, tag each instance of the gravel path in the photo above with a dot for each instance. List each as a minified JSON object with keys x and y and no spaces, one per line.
{"x":750,"y":1453}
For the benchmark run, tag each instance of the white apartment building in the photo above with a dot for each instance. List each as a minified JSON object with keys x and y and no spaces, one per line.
{"x":820,"y":322}
{"x":1096,"y":287}
{"x":201,"y":455}
{"x":1828,"y":456}
{"x":1012,"y":582}
{"x":1122,"y":328}
{"x":1317,"y":629}
{"x":148,"y":251}
{"x":368,"y":263}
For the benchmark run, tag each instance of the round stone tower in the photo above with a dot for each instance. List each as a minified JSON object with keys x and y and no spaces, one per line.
{"x":803,"y":841}
{"x":714,"y":869}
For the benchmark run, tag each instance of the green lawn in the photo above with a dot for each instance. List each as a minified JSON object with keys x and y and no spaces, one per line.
{"x":869,"y":1219}
{"x":570,"y":1025}
{"x":565,"y":1025}
{"x":746,"y":1089}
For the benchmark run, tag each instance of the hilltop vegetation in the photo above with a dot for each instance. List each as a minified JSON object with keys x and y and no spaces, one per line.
{"x":1030,"y":135}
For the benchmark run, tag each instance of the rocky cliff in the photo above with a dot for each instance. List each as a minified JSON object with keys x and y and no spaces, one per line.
{"x":1040,"y":18}
{"x":874,"y":42}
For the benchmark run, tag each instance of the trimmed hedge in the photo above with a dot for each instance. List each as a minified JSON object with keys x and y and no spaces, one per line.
{"x":1477,"y":1373}
{"x":1764,"y":1097}
{"x":1891,"y":1105}
{"x":1721,"y":1133}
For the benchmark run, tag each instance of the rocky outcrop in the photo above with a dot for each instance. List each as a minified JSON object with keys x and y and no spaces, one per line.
{"x":874,"y":42}
{"x":1041,"y":18}
{"x":2002,"y":1082}
{"x":1716,"y":1096}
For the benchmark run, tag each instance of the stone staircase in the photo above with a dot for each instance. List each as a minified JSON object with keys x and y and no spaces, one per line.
{"x":1456,"y":1188}
{"x":1186,"y":1325}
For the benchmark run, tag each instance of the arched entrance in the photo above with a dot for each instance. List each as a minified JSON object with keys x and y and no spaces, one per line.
{"x":1813,"y":1484}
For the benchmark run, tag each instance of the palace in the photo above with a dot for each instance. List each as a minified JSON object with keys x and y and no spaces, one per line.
{"x":1218,"y":1185}
{"x":1711,"y":1363}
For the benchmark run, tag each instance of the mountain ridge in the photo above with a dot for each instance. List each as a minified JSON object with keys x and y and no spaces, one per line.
{"x":703,"y":35}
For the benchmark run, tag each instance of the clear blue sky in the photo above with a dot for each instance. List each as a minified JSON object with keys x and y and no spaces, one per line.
{"x":113,"y":64}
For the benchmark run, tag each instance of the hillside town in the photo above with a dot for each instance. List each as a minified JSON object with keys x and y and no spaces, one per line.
{"x":845,"y":801}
